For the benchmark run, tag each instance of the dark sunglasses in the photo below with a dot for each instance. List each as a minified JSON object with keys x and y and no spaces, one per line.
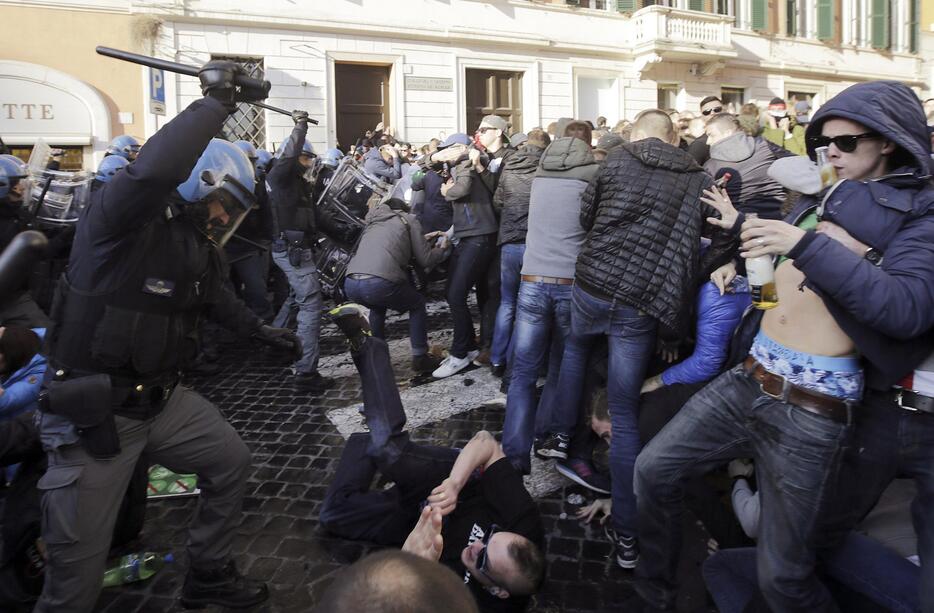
{"x":717,"y":109}
{"x":846,"y":143}
{"x":485,"y":129}
{"x":483,"y":561}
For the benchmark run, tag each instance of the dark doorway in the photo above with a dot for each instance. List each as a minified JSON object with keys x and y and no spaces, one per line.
{"x":494,"y":92}
{"x":362,"y":92}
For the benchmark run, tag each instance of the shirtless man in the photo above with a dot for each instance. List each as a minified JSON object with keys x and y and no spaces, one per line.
{"x":846,"y":318}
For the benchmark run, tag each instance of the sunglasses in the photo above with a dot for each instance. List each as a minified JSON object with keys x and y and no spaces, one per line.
{"x":716,"y":109}
{"x":846,"y":143}
{"x":483,"y":561}
{"x":485,"y":129}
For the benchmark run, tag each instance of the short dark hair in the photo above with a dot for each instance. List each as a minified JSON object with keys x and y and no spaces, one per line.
{"x":725,"y":122}
{"x":538,"y":138}
{"x":579,"y":129}
{"x":530,"y":563}
{"x":709,"y":99}
{"x":18,"y":345}
{"x":393,"y":581}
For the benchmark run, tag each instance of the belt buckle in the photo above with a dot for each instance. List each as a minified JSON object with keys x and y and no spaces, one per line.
{"x":898,"y":400}
{"x":780,"y":396}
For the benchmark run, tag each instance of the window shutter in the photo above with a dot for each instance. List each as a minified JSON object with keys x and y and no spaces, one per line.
{"x":825,"y":19}
{"x":572,"y":2}
{"x":879,"y":17}
{"x":760,"y":14}
{"x":791,"y":17}
{"x":696,"y":5}
{"x":625,"y":6}
{"x":914,"y":25}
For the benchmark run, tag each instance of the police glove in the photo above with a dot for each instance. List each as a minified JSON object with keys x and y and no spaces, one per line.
{"x":300,"y":117}
{"x":280,"y":338}
{"x":218,"y":80}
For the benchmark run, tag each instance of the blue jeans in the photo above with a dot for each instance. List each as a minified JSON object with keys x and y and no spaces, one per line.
{"x":543,"y":313}
{"x":888,"y":442}
{"x":631,"y":339}
{"x":797,"y":457}
{"x":510,"y":275}
{"x":378,"y":295}
{"x":249,"y":266}
{"x":468,"y":266}
{"x":305,"y":292}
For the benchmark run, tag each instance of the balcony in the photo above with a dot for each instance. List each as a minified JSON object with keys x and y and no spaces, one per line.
{"x":659,"y":32}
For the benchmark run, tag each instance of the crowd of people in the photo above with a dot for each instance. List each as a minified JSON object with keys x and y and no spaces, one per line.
{"x":621,"y":299}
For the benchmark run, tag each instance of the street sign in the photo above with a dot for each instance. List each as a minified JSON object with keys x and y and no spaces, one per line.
{"x":156,"y":91}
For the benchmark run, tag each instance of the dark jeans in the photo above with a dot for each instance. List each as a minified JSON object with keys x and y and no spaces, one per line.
{"x":510,"y":275}
{"x":862,"y":568}
{"x":888,"y":442}
{"x":543,"y":315}
{"x":631,"y":339}
{"x":488,"y":297}
{"x":797,"y":457}
{"x":378,"y":295}
{"x":249,"y":266}
{"x":351,"y":509}
{"x":468,"y":266}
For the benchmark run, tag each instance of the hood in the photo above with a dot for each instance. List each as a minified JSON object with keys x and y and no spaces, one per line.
{"x":566,"y":153}
{"x":380,"y":212}
{"x":659,"y":154}
{"x":735,"y":148}
{"x":887,"y":107}
{"x":525,"y":159}
{"x":373,"y":154}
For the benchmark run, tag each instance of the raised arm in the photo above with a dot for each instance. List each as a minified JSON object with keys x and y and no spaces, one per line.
{"x":481,"y":452}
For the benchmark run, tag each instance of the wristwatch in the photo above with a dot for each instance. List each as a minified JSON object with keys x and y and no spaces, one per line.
{"x":874,"y":256}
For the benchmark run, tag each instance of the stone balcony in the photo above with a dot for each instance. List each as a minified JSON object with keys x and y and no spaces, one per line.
{"x":658,"y":32}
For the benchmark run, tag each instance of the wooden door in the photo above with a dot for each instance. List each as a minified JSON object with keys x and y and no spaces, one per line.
{"x":494,"y":92}
{"x":362,"y":99}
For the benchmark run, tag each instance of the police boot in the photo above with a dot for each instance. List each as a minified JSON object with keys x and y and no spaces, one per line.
{"x":224,"y":587}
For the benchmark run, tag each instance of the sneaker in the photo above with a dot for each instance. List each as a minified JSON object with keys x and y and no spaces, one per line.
{"x":312,"y":382}
{"x":498,"y":370}
{"x":555,"y":446}
{"x":580,"y":471}
{"x":482,"y":359}
{"x":352,"y":320}
{"x":425,"y":363}
{"x":452,"y":366}
{"x":627,"y":548}
{"x":224,"y":587}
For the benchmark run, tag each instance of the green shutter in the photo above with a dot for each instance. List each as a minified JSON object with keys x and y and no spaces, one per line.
{"x":879,"y":17}
{"x":572,"y":2}
{"x":825,"y":29}
{"x":625,"y":6}
{"x":914,"y":25}
{"x":696,"y":5}
{"x":760,"y":14}
{"x":791,"y":17}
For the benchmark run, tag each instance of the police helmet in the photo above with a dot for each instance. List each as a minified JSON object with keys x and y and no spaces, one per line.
{"x":22,"y":168}
{"x":246,"y":147}
{"x":14,"y":170}
{"x":263,"y":158}
{"x":307,"y":149}
{"x":5,"y":184}
{"x":332,"y":157}
{"x":109,"y":167}
{"x":125,"y":146}
{"x":219,"y":190}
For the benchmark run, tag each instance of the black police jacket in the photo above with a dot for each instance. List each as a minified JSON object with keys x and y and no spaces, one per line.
{"x":140,"y":274}
{"x":292,"y":207}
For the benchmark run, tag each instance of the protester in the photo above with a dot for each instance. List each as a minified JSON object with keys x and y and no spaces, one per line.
{"x":782,"y":129}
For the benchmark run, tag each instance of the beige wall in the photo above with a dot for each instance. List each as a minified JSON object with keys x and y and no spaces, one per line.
{"x":927,"y":15}
{"x":65,"y":40}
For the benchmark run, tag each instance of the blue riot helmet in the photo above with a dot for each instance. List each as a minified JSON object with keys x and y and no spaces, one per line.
{"x":263,"y":159}
{"x":332,"y":157}
{"x":109,"y":167}
{"x":15,"y":171}
{"x":125,"y":146}
{"x":248,"y":148}
{"x":307,"y":149}
{"x":5,"y":183}
{"x":219,"y":191}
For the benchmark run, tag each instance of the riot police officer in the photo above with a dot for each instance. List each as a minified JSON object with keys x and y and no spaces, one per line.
{"x":291,"y":185}
{"x":145,"y":266}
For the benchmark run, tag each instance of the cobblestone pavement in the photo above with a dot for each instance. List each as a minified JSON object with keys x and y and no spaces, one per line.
{"x":295,"y":449}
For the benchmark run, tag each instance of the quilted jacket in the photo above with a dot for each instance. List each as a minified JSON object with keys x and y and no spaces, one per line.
{"x":512,"y":194}
{"x":644,"y":220}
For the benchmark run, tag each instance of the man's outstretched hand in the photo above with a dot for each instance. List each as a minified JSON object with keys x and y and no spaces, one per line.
{"x":444,"y":497}
{"x":425,"y":539}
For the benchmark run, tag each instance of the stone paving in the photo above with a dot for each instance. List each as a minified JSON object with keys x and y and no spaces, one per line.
{"x":295,"y":450}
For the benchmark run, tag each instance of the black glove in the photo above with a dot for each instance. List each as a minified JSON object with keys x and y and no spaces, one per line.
{"x":300,"y":117}
{"x":218,"y":80}
{"x":280,"y":338}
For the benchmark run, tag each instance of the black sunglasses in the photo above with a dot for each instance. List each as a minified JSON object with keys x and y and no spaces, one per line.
{"x":485,"y":129}
{"x":483,"y":561}
{"x":717,"y":109}
{"x":846,"y":143}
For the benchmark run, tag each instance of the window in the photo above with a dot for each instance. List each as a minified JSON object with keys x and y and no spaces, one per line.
{"x":880,"y":12}
{"x":723,"y":7}
{"x":914,"y":25}
{"x":72,"y":157}
{"x":760,"y":14}
{"x":791,"y":17}
{"x":248,"y":122}
{"x":668,"y":96}
{"x":732,"y":98}
{"x":825,"y":20}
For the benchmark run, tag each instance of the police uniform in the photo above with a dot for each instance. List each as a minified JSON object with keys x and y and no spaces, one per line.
{"x":140,"y":276}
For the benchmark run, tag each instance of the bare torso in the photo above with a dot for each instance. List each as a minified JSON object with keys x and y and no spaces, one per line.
{"x":801,"y":321}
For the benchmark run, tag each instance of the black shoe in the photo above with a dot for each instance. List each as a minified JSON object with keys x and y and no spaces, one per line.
{"x":224,"y":587}
{"x":627,"y":548}
{"x":351,"y":319}
{"x":312,"y":382}
{"x":425,"y":363}
{"x":555,"y":446}
{"x":498,"y":370}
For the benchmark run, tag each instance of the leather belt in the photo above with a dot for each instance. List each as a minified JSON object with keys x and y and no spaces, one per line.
{"x":779,"y":388}
{"x":552,"y":280}
{"x":913,"y":401}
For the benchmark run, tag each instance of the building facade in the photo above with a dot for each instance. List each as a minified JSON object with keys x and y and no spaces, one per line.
{"x":428,"y":68}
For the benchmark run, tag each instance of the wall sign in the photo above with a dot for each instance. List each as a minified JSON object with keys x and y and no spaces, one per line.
{"x":31,"y":109}
{"x":429,"y":84}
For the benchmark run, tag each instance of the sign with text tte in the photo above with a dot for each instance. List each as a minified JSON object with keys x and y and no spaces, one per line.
{"x":429,"y":84}
{"x":156,"y":91}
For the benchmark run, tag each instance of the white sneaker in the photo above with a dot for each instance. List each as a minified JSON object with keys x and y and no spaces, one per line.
{"x":452,"y":366}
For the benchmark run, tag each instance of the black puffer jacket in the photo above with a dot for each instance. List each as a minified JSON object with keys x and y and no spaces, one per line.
{"x":644,"y":220}
{"x":512,"y":195}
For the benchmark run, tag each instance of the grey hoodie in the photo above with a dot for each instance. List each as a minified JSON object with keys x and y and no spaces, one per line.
{"x":748,"y":160}
{"x":555,"y":235}
{"x":390,"y":240}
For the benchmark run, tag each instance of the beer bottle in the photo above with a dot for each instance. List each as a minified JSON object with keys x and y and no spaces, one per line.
{"x":761,"y":276}
{"x":828,"y":174}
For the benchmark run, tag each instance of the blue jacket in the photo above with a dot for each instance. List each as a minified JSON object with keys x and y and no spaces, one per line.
{"x":887,"y":310}
{"x":21,"y":389}
{"x":374,"y":164}
{"x":717,"y":318}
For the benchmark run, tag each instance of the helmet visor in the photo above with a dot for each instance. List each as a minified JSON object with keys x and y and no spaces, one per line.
{"x":220,"y":214}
